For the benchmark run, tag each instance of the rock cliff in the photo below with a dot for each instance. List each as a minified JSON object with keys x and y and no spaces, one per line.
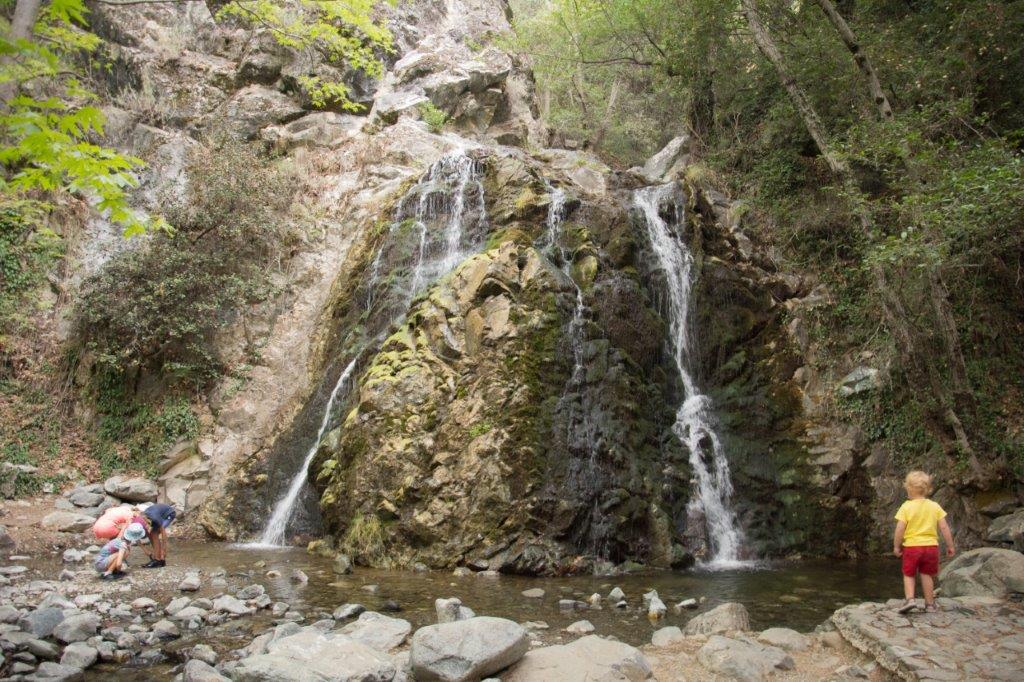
{"x":512,"y":399}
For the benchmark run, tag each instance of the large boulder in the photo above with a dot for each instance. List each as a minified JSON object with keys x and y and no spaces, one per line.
{"x":67,"y":522}
{"x":467,"y":649}
{"x":200,"y":671}
{"x":77,"y":628}
{"x":55,"y":672}
{"x":131,"y":488}
{"x":41,"y":622}
{"x":590,"y":658}
{"x":984,"y":572}
{"x":1008,"y":528}
{"x":378,"y":631}
{"x":315,"y":655}
{"x":6,"y":541}
{"x":727,"y":617}
{"x":670,"y":158}
{"x":255,"y":107}
{"x":740,"y":659}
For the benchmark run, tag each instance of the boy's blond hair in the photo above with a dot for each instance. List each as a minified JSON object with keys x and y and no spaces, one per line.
{"x":918,"y":482}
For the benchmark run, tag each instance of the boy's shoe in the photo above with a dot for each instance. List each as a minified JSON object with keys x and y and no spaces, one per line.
{"x":155,"y":563}
{"x":908,"y":606}
{"x":110,"y":576}
{"x":931,"y":608}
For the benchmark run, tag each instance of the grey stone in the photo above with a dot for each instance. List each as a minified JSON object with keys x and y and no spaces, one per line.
{"x":253,"y":591}
{"x":79,"y":655}
{"x":580,"y":627}
{"x":204,"y":653}
{"x":131,"y":488}
{"x":377,"y":631}
{"x":667,"y":636}
{"x":984,"y":572}
{"x":342,"y":564}
{"x":315,"y":655}
{"x":533,"y":593}
{"x":616,"y":595}
{"x":9,"y":614}
{"x":55,"y":672}
{"x":42,"y":621}
{"x":166,"y":630}
{"x":67,"y":522}
{"x":77,"y":628}
{"x":73,"y":556}
{"x":7,"y":543}
{"x":860,"y":380}
{"x":588,"y":658}
{"x":297,"y":576}
{"x":190,"y":583}
{"x":1008,"y":528}
{"x":723,"y":618}
{"x":449,"y":610}
{"x":42,"y":649}
{"x":784,"y":638}
{"x":466,"y":649}
{"x":742,"y":660}
{"x":197,"y":670}
{"x":177,"y":604}
{"x":82,"y":498}
{"x":346,"y":611}
{"x":658,"y":167}
{"x":231,"y":605}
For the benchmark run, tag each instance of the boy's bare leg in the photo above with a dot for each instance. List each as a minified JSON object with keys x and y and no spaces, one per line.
{"x":115,"y":564}
{"x":908,"y":586}
{"x":160,"y":552}
{"x":928,"y":587}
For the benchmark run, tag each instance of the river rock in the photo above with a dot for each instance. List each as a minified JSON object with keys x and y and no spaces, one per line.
{"x":342,"y":564}
{"x":77,"y":628}
{"x":204,"y":653}
{"x":346,"y":611}
{"x":1008,"y":528}
{"x":176,"y":604}
{"x":616,"y":595}
{"x":656,"y":608}
{"x":165,"y":630}
{"x":741,"y":659}
{"x":667,"y":636}
{"x":581,"y":627}
{"x":686,"y":604}
{"x":784,"y":638}
{"x":231,"y":605}
{"x":42,"y":649}
{"x":315,"y":655}
{"x":42,"y":621}
{"x":73,"y":556}
{"x":724,"y":618}
{"x":190,"y":583}
{"x":533,"y":593}
{"x":462,"y":572}
{"x":588,"y":658}
{"x":67,"y":522}
{"x":672,"y":155}
{"x":200,"y":671}
{"x":131,"y":488}
{"x":449,"y":610}
{"x":79,"y":655}
{"x":9,"y":614}
{"x":299,"y":577}
{"x":466,"y":649}
{"x":984,"y":572}
{"x":378,"y":631}
{"x":83,"y":498}
{"x":55,"y":672}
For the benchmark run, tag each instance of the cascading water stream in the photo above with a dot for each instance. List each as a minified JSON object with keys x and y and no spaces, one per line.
{"x":441,"y":194}
{"x":695,"y":422}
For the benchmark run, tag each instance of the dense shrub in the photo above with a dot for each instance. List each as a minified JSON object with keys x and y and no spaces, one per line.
{"x":158,"y":308}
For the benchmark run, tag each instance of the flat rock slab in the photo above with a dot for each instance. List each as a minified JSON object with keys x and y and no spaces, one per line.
{"x":588,"y":658}
{"x":971,"y":638}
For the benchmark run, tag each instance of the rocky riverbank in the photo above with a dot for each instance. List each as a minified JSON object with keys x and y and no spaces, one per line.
{"x":196,"y":621}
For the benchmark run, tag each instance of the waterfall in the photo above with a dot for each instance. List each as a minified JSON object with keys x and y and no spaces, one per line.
{"x":581,"y":429}
{"x":695,"y":422}
{"x":438,"y":206}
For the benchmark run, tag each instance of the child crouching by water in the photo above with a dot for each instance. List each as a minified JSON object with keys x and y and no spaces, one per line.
{"x":916,"y":539}
{"x":111,"y":558}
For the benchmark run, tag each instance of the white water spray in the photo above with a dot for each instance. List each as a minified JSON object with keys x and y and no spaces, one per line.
{"x":274,"y":532}
{"x":695,"y":423}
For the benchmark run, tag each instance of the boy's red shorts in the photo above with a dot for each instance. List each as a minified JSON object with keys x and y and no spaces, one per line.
{"x":924,"y":560}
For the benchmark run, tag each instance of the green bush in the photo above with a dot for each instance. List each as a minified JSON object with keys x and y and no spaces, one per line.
{"x":432,"y":116}
{"x":158,"y":308}
{"x":27,"y":252}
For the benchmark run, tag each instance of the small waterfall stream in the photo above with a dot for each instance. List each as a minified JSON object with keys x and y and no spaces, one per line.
{"x":581,"y":428}
{"x":437,"y":207}
{"x":695,"y":421}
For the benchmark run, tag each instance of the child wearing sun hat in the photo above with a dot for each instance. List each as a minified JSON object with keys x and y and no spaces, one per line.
{"x":111,"y":558}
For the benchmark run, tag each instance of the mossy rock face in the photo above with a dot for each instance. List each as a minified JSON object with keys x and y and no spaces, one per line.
{"x":465,"y":429}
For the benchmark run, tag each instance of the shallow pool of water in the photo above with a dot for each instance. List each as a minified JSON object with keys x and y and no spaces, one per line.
{"x":799,"y":595}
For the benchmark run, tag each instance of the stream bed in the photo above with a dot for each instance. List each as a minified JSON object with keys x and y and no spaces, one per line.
{"x":795,"y":594}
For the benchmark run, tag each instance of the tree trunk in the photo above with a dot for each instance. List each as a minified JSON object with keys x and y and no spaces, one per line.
{"x":602,"y":127}
{"x":861,"y":59}
{"x":799,"y":98}
{"x":25,"y":14}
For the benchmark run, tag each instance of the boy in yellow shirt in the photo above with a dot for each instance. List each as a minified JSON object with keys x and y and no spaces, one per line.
{"x":917,"y":541}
